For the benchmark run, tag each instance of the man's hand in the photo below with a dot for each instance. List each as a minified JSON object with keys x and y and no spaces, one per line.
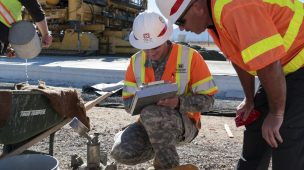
{"x":46,"y":36}
{"x":246,"y":107}
{"x":247,"y":81}
{"x":47,"y":40}
{"x":10,"y":52}
{"x":270,"y":129}
{"x":273,"y":81}
{"x":169,"y":102}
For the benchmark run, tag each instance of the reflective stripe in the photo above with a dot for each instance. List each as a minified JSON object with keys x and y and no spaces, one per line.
{"x":126,"y":94}
{"x":136,"y":60}
{"x":209,"y":91}
{"x":294,"y":26}
{"x":203,"y":85}
{"x":296,"y":63}
{"x":129,"y":88}
{"x":143,"y":69}
{"x":296,"y":21}
{"x":183,"y":59}
{"x":178,"y":61}
{"x":254,"y":73}
{"x":131,"y":84}
{"x":292,"y":66}
{"x":218,"y":8}
{"x":139,"y":67}
{"x":133,"y":59}
{"x":190,"y":55}
{"x":6,"y":14}
{"x":281,"y":3}
{"x":261,"y":47}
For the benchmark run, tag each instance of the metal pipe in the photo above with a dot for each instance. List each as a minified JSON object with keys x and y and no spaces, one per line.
{"x":93,"y":153}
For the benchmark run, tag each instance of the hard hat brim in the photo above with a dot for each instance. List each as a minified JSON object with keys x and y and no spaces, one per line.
{"x":140,"y":44}
{"x":164,"y":8}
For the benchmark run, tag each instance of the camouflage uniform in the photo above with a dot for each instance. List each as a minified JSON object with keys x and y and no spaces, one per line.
{"x":159,"y":129}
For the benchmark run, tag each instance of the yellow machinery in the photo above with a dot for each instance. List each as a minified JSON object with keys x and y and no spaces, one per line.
{"x":91,"y":26}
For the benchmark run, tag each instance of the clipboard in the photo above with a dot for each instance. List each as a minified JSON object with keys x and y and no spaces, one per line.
{"x":150,"y":94}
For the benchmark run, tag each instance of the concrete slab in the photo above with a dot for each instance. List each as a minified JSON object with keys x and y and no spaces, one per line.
{"x":77,"y":71}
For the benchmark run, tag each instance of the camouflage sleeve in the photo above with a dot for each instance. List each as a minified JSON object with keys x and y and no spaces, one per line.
{"x":127,"y":103}
{"x":195,"y":103}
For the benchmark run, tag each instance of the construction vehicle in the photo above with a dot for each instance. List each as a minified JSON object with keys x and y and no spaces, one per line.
{"x":91,"y":26}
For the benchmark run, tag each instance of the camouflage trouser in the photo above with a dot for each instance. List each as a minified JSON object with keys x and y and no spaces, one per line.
{"x":156,"y":135}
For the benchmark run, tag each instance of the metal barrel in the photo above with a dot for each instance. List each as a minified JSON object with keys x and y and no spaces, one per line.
{"x":25,"y":40}
{"x":30,"y":162}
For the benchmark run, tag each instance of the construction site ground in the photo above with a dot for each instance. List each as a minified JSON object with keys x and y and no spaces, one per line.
{"x":211,"y":149}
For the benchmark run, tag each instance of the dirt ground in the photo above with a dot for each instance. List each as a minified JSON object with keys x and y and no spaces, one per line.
{"x":212,"y":148}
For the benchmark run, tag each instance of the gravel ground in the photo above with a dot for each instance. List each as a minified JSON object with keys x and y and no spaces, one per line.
{"x":212,"y":148}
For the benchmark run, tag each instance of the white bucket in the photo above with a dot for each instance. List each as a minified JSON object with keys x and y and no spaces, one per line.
{"x":24,"y":40}
{"x":29,"y":162}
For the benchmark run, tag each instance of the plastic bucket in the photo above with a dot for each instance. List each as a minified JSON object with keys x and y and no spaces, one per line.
{"x":29,"y":162}
{"x":25,"y":40}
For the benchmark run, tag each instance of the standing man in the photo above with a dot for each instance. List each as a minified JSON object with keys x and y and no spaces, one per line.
{"x":10,"y":12}
{"x":171,"y":121}
{"x":263,"y":38}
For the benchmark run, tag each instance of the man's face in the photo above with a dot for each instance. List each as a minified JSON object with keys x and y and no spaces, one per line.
{"x":195,"y":18}
{"x":156,"y":53}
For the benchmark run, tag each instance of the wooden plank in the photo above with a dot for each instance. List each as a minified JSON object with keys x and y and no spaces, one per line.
{"x":92,"y":103}
{"x":36,"y":139}
{"x":229,"y":133}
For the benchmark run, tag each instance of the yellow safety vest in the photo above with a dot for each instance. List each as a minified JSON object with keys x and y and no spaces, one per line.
{"x":181,"y":64}
{"x":10,"y":11}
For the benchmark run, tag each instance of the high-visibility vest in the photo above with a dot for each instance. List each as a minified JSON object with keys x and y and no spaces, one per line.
{"x":178,"y":69}
{"x":10,"y":11}
{"x":254,"y":34}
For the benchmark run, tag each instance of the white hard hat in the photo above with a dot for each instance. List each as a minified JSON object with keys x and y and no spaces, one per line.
{"x":172,"y":9}
{"x":150,"y":30}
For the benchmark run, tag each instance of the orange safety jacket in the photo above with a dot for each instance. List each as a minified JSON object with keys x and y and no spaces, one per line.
{"x":254,"y":34}
{"x":185,"y":66}
{"x":10,"y":11}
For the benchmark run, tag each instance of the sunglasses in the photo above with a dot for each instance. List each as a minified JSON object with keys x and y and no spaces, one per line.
{"x":181,"y":21}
